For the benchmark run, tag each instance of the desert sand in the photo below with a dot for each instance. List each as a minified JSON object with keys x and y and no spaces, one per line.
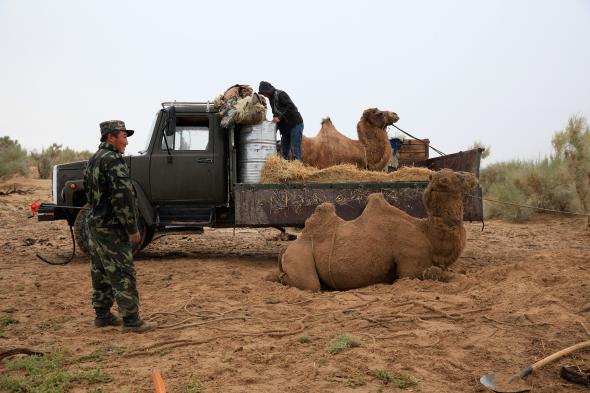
{"x":516,"y":296}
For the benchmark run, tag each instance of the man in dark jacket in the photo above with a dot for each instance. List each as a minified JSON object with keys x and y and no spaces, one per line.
{"x":111,"y":225}
{"x":287,"y":118}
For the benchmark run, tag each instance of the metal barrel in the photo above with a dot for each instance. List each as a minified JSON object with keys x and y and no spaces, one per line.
{"x":256,"y":144}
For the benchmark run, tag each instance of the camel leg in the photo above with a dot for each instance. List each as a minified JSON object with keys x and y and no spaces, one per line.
{"x":298,"y":266}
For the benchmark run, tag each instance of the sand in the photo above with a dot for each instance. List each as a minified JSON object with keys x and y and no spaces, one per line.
{"x":515,"y":297}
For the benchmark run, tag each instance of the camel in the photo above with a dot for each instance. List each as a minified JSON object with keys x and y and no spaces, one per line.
{"x":383,"y":244}
{"x":371,"y":151}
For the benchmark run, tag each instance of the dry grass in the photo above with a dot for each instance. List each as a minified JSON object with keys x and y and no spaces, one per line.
{"x":277,"y":170}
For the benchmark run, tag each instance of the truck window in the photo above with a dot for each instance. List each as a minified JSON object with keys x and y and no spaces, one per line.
{"x":192,"y":133}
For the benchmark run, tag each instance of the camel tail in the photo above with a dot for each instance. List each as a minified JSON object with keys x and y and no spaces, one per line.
{"x":326,"y":120}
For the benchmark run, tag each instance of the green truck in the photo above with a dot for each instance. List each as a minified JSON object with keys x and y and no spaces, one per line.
{"x":195,"y":174}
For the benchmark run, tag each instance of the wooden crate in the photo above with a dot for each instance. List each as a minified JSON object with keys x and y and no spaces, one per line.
{"x":412,"y":150}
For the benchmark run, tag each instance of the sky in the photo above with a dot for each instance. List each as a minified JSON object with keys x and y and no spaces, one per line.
{"x":505,"y":73}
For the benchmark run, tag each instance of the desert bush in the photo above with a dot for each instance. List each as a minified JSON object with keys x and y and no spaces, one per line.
{"x":341,"y":342}
{"x":13,"y":158}
{"x":572,"y":146}
{"x":55,"y":155}
{"x":540,"y":184}
{"x":558,"y":182}
{"x":479,"y":145}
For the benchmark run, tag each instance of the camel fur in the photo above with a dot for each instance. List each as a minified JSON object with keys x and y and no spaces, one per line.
{"x":383,"y":244}
{"x":240,"y":105}
{"x":371,"y":151}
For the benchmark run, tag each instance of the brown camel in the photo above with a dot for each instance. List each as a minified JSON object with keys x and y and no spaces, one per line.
{"x":383,"y":243}
{"x":371,"y":151}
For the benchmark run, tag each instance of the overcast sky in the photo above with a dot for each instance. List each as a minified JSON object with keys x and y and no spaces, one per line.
{"x":506,"y":73}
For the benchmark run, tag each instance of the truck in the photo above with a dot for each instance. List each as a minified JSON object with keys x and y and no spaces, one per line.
{"x":189,"y":177}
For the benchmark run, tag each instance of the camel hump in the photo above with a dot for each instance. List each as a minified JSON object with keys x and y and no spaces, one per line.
{"x":377,"y":206}
{"x":323,"y":216}
{"x":377,"y":201}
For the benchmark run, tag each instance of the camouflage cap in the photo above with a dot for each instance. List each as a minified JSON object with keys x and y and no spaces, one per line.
{"x":113,"y":125}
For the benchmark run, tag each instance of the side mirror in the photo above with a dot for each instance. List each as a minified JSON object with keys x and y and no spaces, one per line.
{"x":170,"y":120}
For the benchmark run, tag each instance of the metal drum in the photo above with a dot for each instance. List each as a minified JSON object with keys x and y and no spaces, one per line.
{"x":256,"y":144}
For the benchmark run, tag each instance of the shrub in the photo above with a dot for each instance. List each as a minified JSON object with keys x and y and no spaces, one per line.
{"x":341,"y":342}
{"x":487,"y":150}
{"x":13,"y":158}
{"x":398,"y":381}
{"x":542,"y":184}
{"x":572,"y":145}
{"x":55,"y":155}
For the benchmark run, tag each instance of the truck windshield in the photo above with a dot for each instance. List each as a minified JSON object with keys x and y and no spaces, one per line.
{"x":150,"y":133}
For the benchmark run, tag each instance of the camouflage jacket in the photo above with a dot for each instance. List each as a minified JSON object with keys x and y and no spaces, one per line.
{"x":109,"y":190}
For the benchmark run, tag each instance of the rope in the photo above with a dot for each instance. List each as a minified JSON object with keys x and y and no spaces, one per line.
{"x":68,"y":259}
{"x":530,"y":207}
{"x":412,"y":136}
{"x":330,"y":258}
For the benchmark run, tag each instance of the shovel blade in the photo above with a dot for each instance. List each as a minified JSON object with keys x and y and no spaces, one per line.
{"x":490,"y":382}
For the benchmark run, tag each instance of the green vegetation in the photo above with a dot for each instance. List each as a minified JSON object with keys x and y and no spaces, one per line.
{"x":559,"y":182}
{"x":398,"y":381}
{"x":54,"y":155}
{"x":193,"y":387}
{"x":6,"y":320}
{"x":341,"y":342}
{"x":13,"y":158}
{"x":354,"y":382}
{"x":303,"y":339}
{"x":47,"y":374}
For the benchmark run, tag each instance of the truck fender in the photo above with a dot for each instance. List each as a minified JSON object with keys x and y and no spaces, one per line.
{"x":143,"y":205}
{"x":74,"y":195}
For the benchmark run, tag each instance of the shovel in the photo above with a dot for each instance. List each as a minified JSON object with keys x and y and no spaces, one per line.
{"x":514,"y":383}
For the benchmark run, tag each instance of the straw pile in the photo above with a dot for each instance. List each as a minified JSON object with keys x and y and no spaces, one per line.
{"x":277,"y":170}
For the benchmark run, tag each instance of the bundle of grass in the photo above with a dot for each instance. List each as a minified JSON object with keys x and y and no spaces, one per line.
{"x":277,"y":170}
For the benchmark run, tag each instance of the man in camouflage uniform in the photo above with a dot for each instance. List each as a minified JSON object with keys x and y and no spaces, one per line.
{"x":111,"y":225}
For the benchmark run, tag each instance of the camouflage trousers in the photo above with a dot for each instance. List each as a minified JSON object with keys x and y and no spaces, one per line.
{"x":112,"y":270}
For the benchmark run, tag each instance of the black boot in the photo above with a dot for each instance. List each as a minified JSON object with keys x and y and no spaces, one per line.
{"x":104,"y":318}
{"x":134,"y":324}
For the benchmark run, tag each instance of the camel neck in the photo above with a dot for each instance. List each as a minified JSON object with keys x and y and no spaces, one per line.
{"x":376,"y":145}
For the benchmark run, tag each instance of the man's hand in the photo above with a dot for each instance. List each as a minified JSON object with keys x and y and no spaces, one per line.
{"x":134,"y":238}
{"x":275,"y":120}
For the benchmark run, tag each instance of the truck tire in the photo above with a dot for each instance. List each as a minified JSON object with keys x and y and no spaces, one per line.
{"x":81,"y":236}
{"x":147,"y":236}
{"x":80,"y":231}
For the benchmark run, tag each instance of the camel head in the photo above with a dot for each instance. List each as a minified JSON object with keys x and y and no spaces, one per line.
{"x":447,"y":188}
{"x":447,"y":180}
{"x":380,"y":119}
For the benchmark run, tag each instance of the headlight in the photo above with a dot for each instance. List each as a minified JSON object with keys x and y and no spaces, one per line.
{"x":54,"y":185}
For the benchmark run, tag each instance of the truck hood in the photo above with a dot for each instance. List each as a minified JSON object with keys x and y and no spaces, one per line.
{"x":81,"y":165}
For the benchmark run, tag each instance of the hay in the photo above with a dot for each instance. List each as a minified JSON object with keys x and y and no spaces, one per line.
{"x":277,"y":170}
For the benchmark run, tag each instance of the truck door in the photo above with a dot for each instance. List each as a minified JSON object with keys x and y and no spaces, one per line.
{"x":188,"y":166}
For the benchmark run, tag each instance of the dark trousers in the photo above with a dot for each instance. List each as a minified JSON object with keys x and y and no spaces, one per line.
{"x":291,"y":142}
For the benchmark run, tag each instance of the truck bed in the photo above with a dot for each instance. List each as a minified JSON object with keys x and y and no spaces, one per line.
{"x":289,"y":205}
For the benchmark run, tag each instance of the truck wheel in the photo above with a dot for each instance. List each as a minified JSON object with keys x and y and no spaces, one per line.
{"x":147,"y":236}
{"x":80,"y":234}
